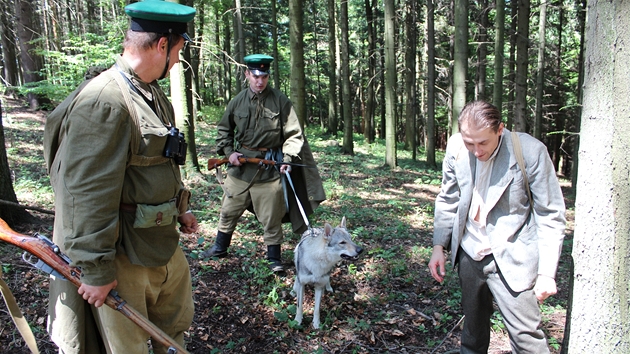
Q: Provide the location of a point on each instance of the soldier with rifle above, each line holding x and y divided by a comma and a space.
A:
113, 153
260, 123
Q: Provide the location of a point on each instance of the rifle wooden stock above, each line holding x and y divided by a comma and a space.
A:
51, 255
212, 163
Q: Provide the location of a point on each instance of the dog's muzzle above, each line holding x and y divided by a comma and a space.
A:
352, 258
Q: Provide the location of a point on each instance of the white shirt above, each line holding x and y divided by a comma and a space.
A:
475, 241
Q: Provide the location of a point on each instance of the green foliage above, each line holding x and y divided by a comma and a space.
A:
64, 69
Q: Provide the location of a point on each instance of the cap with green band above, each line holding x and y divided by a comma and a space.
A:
258, 64
160, 16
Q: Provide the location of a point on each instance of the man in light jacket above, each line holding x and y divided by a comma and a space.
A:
506, 245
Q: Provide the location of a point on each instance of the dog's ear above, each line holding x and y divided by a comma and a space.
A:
328, 230
343, 222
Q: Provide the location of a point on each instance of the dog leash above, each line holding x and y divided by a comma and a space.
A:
299, 204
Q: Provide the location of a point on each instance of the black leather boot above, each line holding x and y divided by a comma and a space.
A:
220, 247
274, 256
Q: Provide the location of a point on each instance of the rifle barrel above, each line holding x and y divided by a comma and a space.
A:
51, 256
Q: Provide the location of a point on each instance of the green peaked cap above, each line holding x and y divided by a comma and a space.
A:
159, 16
258, 64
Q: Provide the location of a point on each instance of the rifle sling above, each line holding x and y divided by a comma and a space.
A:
18, 318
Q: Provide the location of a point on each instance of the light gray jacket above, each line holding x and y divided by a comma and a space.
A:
523, 243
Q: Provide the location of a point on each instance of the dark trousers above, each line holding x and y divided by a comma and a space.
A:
481, 281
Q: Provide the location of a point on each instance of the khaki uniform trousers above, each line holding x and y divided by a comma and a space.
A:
161, 294
267, 199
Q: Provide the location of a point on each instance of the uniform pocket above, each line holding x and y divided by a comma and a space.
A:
155, 215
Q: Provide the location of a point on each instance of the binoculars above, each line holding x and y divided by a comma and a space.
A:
175, 147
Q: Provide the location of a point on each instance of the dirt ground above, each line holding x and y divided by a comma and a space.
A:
385, 315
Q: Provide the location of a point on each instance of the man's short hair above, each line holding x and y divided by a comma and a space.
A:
145, 40
480, 114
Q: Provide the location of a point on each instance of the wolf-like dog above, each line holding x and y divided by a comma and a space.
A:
319, 250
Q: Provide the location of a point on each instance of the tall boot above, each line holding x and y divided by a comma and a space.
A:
220, 247
275, 258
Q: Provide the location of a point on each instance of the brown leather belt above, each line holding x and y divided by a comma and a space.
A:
255, 149
128, 208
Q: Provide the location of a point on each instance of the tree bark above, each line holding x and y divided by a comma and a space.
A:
333, 125
239, 43
499, 48
9, 56
11, 215
482, 51
600, 316
27, 29
520, 77
540, 84
274, 37
348, 141
430, 136
410, 78
460, 61
390, 84
296, 34
370, 104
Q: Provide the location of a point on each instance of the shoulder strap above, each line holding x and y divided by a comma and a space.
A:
18, 318
518, 152
135, 159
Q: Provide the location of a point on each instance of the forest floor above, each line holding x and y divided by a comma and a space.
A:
386, 302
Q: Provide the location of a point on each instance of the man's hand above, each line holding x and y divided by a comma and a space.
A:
285, 169
437, 263
188, 223
95, 295
234, 158
545, 287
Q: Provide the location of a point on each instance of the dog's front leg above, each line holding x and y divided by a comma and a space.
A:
299, 293
318, 300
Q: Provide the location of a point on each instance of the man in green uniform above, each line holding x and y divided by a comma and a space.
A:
259, 122
113, 154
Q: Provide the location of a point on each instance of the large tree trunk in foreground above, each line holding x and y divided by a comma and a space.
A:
601, 300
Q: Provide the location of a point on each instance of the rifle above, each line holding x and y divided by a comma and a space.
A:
214, 163
43, 254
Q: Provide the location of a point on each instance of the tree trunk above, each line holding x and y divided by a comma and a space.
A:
540, 84
576, 144
390, 84
274, 37
27, 29
512, 65
348, 141
520, 77
410, 78
12, 216
600, 316
482, 51
296, 34
499, 47
430, 136
370, 105
333, 125
9, 56
460, 60
239, 43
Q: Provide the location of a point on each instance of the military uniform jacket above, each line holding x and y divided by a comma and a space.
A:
254, 122
91, 177
525, 240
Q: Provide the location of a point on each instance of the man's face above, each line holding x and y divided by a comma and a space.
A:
481, 142
257, 82
174, 53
